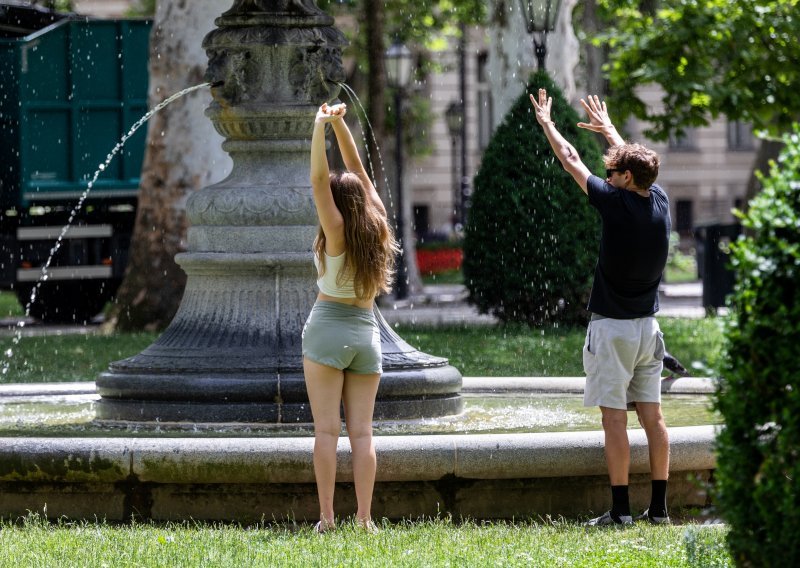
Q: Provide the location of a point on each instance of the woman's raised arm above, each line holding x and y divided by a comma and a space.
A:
329, 215
352, 161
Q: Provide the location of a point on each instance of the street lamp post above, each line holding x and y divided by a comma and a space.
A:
540, 19
453, 117
398, 71
464, 190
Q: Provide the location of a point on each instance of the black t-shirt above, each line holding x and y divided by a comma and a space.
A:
633, 250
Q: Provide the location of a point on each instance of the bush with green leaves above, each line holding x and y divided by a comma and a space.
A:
758, 475
531, 240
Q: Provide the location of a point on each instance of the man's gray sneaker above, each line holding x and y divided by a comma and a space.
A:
606, 519
653, 520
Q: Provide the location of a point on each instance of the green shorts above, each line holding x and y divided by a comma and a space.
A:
344, 337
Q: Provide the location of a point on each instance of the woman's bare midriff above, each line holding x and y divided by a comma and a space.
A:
366, 304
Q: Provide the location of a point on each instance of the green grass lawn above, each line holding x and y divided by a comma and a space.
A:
498, 351
9, 305
419, 543
66, 358
553, 351
445, 277
681, 268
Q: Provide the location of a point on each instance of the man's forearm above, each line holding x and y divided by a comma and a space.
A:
563, 150
612, 136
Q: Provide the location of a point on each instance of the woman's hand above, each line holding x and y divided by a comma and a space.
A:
330, 113
542, 107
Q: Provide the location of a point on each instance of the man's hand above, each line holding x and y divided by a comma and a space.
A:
542, 107
596, 109
599, 121
564, 151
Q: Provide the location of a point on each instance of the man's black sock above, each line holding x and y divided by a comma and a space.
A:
620, 506
658, 501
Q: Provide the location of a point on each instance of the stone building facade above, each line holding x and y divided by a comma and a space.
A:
705, 172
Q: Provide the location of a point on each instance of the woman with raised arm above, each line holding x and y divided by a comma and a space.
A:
354, 254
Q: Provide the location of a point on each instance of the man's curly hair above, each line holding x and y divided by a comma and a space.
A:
641, 161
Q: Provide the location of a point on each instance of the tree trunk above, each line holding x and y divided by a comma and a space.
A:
648, 7
376, 85
183, 154
767, 150
594, 57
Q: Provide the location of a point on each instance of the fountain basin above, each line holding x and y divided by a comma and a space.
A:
253, 478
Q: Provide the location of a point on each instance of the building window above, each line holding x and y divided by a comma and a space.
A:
484, 102
685, 142
684, 219
740, 135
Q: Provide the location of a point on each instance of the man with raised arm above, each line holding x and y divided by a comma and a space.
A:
624, 348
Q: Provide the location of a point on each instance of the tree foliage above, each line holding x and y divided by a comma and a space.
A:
759, 397
420, 22
427, 27
531, 239
738, 58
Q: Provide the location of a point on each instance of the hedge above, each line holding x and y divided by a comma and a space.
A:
758, 472
531, 238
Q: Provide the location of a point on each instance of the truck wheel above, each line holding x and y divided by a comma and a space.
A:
67, 301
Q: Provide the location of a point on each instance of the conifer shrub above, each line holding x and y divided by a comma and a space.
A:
758, 468
532, 238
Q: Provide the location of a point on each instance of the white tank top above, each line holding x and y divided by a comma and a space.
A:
327, 282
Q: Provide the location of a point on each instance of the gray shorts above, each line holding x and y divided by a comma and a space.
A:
344, 337
623, 361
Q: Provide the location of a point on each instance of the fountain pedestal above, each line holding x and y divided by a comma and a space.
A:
233, 351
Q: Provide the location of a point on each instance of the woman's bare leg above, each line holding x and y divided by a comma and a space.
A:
359, 402
324, 386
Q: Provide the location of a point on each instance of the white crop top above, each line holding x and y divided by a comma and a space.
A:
327, 282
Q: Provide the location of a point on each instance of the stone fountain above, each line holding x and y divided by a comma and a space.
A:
233, 351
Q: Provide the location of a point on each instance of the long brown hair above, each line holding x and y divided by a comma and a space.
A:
369, 242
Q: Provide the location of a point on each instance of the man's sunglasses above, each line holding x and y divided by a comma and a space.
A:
609, 172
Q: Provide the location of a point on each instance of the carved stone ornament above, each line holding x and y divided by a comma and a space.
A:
253, 12
275, 65
250, 206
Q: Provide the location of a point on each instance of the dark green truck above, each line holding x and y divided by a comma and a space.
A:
70, 88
